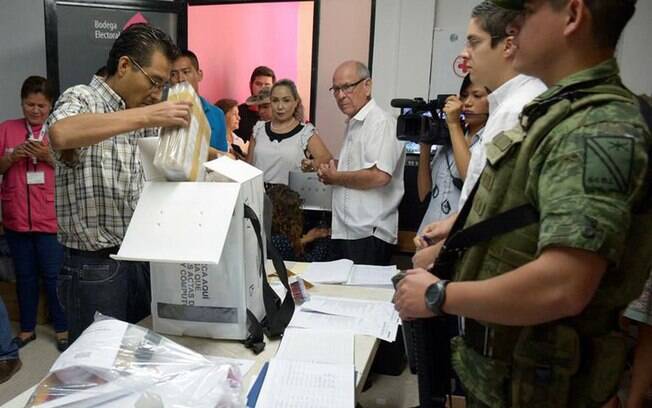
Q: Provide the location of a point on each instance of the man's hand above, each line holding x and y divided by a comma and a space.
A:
425, 258
410, 297
328, 173
168, 114
435, 232
37, 149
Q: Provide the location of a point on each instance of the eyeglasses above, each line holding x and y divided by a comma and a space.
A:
154, 83
473, 42
346, 88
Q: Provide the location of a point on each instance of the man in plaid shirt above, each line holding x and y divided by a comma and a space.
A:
93, 132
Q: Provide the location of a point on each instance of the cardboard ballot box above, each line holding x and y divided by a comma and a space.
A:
204, 254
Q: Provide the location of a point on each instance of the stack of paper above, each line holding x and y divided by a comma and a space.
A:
344, 271
373, 318
312, 369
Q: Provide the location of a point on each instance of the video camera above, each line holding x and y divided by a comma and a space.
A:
421, 121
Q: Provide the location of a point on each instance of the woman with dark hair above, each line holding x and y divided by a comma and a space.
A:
286, 142
443, 177
287, 227
232, 118
28, 212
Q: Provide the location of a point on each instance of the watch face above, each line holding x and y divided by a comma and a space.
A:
433, 298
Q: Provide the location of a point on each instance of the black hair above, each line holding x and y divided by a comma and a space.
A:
262, 71
191, 56
37, 84
138, 42
494, 20
609, 18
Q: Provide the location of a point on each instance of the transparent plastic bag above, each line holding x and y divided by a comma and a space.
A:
116, 364
181, 152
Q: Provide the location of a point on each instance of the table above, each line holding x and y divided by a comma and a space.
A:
364, 349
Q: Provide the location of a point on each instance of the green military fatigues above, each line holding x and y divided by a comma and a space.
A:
580, 159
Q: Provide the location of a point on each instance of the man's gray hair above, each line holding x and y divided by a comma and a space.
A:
362, 70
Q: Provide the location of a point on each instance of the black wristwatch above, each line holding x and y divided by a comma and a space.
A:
436, 296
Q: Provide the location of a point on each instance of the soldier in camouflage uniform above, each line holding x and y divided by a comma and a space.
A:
541, 302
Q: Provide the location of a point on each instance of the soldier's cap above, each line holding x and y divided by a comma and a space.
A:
262, 98
510, 4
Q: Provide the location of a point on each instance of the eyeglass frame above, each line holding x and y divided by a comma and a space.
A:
154, 84
471, 46
335, 89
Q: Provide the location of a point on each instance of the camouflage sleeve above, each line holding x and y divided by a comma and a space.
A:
584, 182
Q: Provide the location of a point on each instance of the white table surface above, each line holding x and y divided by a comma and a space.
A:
364, 349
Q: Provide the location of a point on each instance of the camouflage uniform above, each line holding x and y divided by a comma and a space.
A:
583, 168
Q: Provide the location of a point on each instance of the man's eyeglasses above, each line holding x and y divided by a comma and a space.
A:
473, 42
154, 83
346, 88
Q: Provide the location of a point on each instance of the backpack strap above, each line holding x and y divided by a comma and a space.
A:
277, 314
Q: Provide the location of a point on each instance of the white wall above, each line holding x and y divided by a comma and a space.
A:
405, 33
22, 50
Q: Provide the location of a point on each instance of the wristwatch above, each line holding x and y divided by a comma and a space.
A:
436, 296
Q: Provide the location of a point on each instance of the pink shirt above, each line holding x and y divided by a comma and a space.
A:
26, 207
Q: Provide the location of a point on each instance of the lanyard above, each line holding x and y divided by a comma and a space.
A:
30, 132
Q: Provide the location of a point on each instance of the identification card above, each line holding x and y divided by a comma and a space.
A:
35, 177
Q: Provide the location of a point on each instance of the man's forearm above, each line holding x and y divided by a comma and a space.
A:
558, 284
87, 129
365, 179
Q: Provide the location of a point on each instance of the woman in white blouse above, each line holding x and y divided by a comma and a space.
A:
286, 142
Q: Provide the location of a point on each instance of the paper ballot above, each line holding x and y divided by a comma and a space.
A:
329, 272
344, 271
312, 369
378, 319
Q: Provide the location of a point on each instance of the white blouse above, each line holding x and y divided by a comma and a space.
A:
277, 158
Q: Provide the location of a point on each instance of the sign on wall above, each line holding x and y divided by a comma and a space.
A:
85, 34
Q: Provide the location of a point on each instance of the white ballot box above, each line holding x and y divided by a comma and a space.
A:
204, 254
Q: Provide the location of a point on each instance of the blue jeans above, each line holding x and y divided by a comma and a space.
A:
91, 281
8, 349
36, 253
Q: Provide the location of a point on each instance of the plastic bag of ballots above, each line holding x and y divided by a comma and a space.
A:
182, 151
116, 364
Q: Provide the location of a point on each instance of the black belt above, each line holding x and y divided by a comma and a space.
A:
100, 253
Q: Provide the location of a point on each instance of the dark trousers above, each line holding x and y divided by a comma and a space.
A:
92, 282
364, 251
34, 254
8, 349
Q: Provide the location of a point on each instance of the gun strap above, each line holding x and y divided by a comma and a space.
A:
462, 238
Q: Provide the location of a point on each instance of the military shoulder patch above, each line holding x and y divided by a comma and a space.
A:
608, 163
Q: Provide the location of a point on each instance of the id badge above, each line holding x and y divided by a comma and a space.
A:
35, 177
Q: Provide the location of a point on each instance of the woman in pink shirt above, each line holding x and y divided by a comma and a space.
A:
28, 212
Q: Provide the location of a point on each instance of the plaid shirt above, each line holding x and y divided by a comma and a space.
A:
96, 192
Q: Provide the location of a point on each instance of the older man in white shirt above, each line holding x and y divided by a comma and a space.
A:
368, 178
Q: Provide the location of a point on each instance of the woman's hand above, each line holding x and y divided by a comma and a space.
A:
453, 110
315, 233
38, 150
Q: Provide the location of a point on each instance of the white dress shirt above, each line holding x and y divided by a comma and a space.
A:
370, 141
505, 106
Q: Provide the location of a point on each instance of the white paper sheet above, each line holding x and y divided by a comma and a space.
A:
372, 275
329, 272
384, 330
243, 365
316, 346
97, 346
297, 384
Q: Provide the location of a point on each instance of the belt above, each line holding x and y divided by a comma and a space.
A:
488, 342
100, 253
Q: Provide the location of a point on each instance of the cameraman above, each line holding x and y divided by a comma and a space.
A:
444, 176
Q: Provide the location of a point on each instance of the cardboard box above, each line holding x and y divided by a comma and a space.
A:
203, 253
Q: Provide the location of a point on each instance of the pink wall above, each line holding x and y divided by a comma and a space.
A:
230, 40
